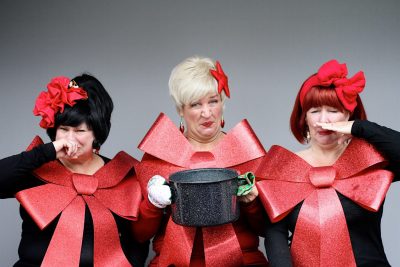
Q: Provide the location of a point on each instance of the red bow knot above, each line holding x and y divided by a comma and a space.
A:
322, 177
333, 73
85, 184
221, 78
58, 94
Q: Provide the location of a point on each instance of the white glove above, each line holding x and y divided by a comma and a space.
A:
159, 193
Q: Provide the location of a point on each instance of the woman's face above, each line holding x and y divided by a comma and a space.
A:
203, 117
81, 135
324, 114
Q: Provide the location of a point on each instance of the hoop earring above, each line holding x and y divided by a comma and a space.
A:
222, 121
181, 126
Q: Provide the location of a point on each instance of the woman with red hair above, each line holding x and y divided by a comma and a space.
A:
330, 195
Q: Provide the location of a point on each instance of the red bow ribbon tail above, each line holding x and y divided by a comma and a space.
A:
221, 246
177, 246
65, 245
107, 245
308, 249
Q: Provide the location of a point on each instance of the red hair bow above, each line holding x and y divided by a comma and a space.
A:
222, 79
333, 73
58, 94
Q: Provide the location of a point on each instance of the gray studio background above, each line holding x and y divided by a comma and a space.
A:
266, 47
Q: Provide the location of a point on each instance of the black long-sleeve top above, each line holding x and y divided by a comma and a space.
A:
364, 226
15, 175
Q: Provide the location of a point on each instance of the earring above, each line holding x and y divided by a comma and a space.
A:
181, 126
96, 146
222, 121
308, 136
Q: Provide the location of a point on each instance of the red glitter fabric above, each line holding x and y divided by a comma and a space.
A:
286, 180
170, 152
109, 190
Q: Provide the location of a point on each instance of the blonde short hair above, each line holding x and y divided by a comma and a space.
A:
191, 80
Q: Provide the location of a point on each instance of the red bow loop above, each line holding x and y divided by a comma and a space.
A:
44, 212
331, 71
348, 90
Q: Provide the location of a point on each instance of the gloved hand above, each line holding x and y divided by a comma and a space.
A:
159, 193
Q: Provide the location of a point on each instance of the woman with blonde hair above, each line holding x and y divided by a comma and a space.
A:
199, 88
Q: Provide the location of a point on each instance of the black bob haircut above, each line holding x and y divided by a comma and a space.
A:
94, 111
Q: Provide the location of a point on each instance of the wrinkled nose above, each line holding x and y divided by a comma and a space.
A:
70, 135
324, 116
206, 112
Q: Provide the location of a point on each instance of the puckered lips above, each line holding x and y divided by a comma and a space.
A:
207, 124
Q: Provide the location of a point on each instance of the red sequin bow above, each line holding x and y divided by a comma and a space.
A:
333, 73
58, 94
67, 193
170, 152
222, 79
321, 236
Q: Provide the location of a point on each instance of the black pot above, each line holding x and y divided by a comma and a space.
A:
204, 197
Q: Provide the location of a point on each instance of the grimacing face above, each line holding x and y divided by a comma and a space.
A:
203, 117
324, 114
81, 135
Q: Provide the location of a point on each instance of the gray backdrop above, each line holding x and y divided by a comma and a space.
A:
266, 47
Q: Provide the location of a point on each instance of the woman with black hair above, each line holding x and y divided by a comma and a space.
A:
78, 207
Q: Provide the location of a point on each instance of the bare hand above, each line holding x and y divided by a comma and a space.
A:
65, 148
250, 196
343, 127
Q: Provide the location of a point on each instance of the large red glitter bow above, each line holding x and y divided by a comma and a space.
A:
357, 174
170, 152
333, 73
58, 94
66, 193
222, 79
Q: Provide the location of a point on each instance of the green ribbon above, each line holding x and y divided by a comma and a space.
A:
246, 182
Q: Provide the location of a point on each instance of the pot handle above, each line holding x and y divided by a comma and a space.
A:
245, 183
173, 192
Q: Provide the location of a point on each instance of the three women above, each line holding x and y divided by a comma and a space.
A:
330, 193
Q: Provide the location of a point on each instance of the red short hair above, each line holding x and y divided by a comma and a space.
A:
319, 96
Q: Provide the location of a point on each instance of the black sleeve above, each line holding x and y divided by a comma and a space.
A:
15, 171
276, 244
384, 139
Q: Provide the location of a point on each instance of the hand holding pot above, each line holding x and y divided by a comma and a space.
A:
246, 192
159, 193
